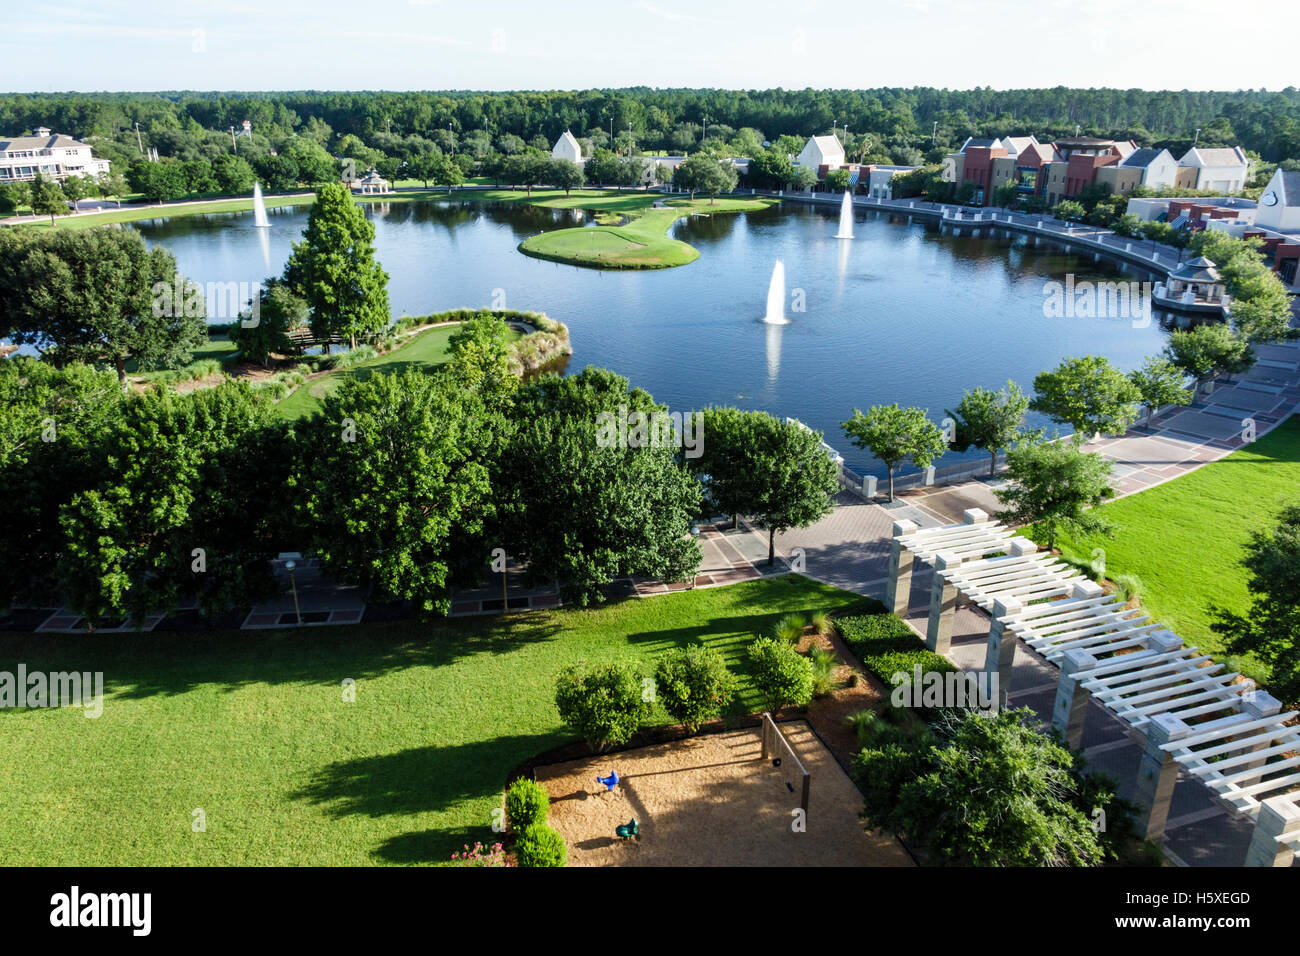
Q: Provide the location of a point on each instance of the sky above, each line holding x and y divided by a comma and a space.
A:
737, 44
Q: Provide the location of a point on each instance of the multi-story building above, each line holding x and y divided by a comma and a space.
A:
53, 155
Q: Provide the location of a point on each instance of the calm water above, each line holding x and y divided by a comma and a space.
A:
903, 313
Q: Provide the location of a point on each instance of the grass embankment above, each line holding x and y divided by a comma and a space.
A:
252, 728
424, 351
1184, 540
632, 233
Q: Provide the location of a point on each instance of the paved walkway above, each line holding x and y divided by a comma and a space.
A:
850, 549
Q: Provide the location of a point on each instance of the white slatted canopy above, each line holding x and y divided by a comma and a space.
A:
1137, 669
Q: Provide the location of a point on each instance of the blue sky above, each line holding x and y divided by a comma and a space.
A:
452, 44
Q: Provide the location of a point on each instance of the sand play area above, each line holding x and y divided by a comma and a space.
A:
712, 801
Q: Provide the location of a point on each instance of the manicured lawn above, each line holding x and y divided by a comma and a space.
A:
425, 351
251, 727
1184, 539
216, 347
632, 238
244, 204
631, 234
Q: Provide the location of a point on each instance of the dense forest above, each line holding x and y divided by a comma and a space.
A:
901, 123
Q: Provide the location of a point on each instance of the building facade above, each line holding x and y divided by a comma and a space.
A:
567, 147
821, 153
1221, 170
53, 155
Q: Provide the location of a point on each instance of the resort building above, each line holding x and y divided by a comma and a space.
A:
53, 155
878, 182
1222, 170
1158, 167
567, 147
1279, 203
821, 153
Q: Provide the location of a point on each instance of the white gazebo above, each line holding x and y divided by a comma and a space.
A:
1196, 286
372, 184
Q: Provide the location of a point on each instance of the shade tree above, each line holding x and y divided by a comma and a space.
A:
894, 435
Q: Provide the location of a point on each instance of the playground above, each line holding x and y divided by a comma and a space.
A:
714, 800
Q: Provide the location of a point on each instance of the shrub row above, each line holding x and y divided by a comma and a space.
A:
536, 843
540, 845
886, 645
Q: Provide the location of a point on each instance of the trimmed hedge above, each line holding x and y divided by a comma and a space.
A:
886, 645
540, 845
527, 803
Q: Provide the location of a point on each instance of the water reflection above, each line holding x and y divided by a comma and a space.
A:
939, 314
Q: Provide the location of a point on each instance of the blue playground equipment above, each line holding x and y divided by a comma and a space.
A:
628, 831
610, 782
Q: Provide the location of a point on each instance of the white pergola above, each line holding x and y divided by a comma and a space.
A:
1189, 712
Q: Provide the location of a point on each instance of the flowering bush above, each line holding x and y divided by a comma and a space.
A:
480, 855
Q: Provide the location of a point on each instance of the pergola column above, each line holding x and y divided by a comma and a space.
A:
943, 604
1001, 650
1257, 704
1071, 705
898, 591
1277, 825
1157, 774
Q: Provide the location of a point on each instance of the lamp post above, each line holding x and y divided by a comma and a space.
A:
293, 583
695, 535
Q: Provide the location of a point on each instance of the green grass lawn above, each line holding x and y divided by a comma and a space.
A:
244, 204
251, 727
424, 350
640, 242
1184, 539
631, 233
217, 347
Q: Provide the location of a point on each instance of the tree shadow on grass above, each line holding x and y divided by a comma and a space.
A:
423, 780
143, 665
434, 846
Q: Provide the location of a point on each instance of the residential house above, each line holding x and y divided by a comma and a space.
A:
54, 155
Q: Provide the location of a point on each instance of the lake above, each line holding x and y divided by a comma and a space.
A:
904, 312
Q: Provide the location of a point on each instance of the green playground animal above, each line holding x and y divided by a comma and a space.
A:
629, 830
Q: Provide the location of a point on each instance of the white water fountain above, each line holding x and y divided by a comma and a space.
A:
776, 296
261, 223
846, 217
259, 208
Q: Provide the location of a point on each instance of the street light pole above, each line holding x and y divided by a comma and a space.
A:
293, 582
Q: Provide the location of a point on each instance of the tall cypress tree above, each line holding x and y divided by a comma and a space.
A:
334, 269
